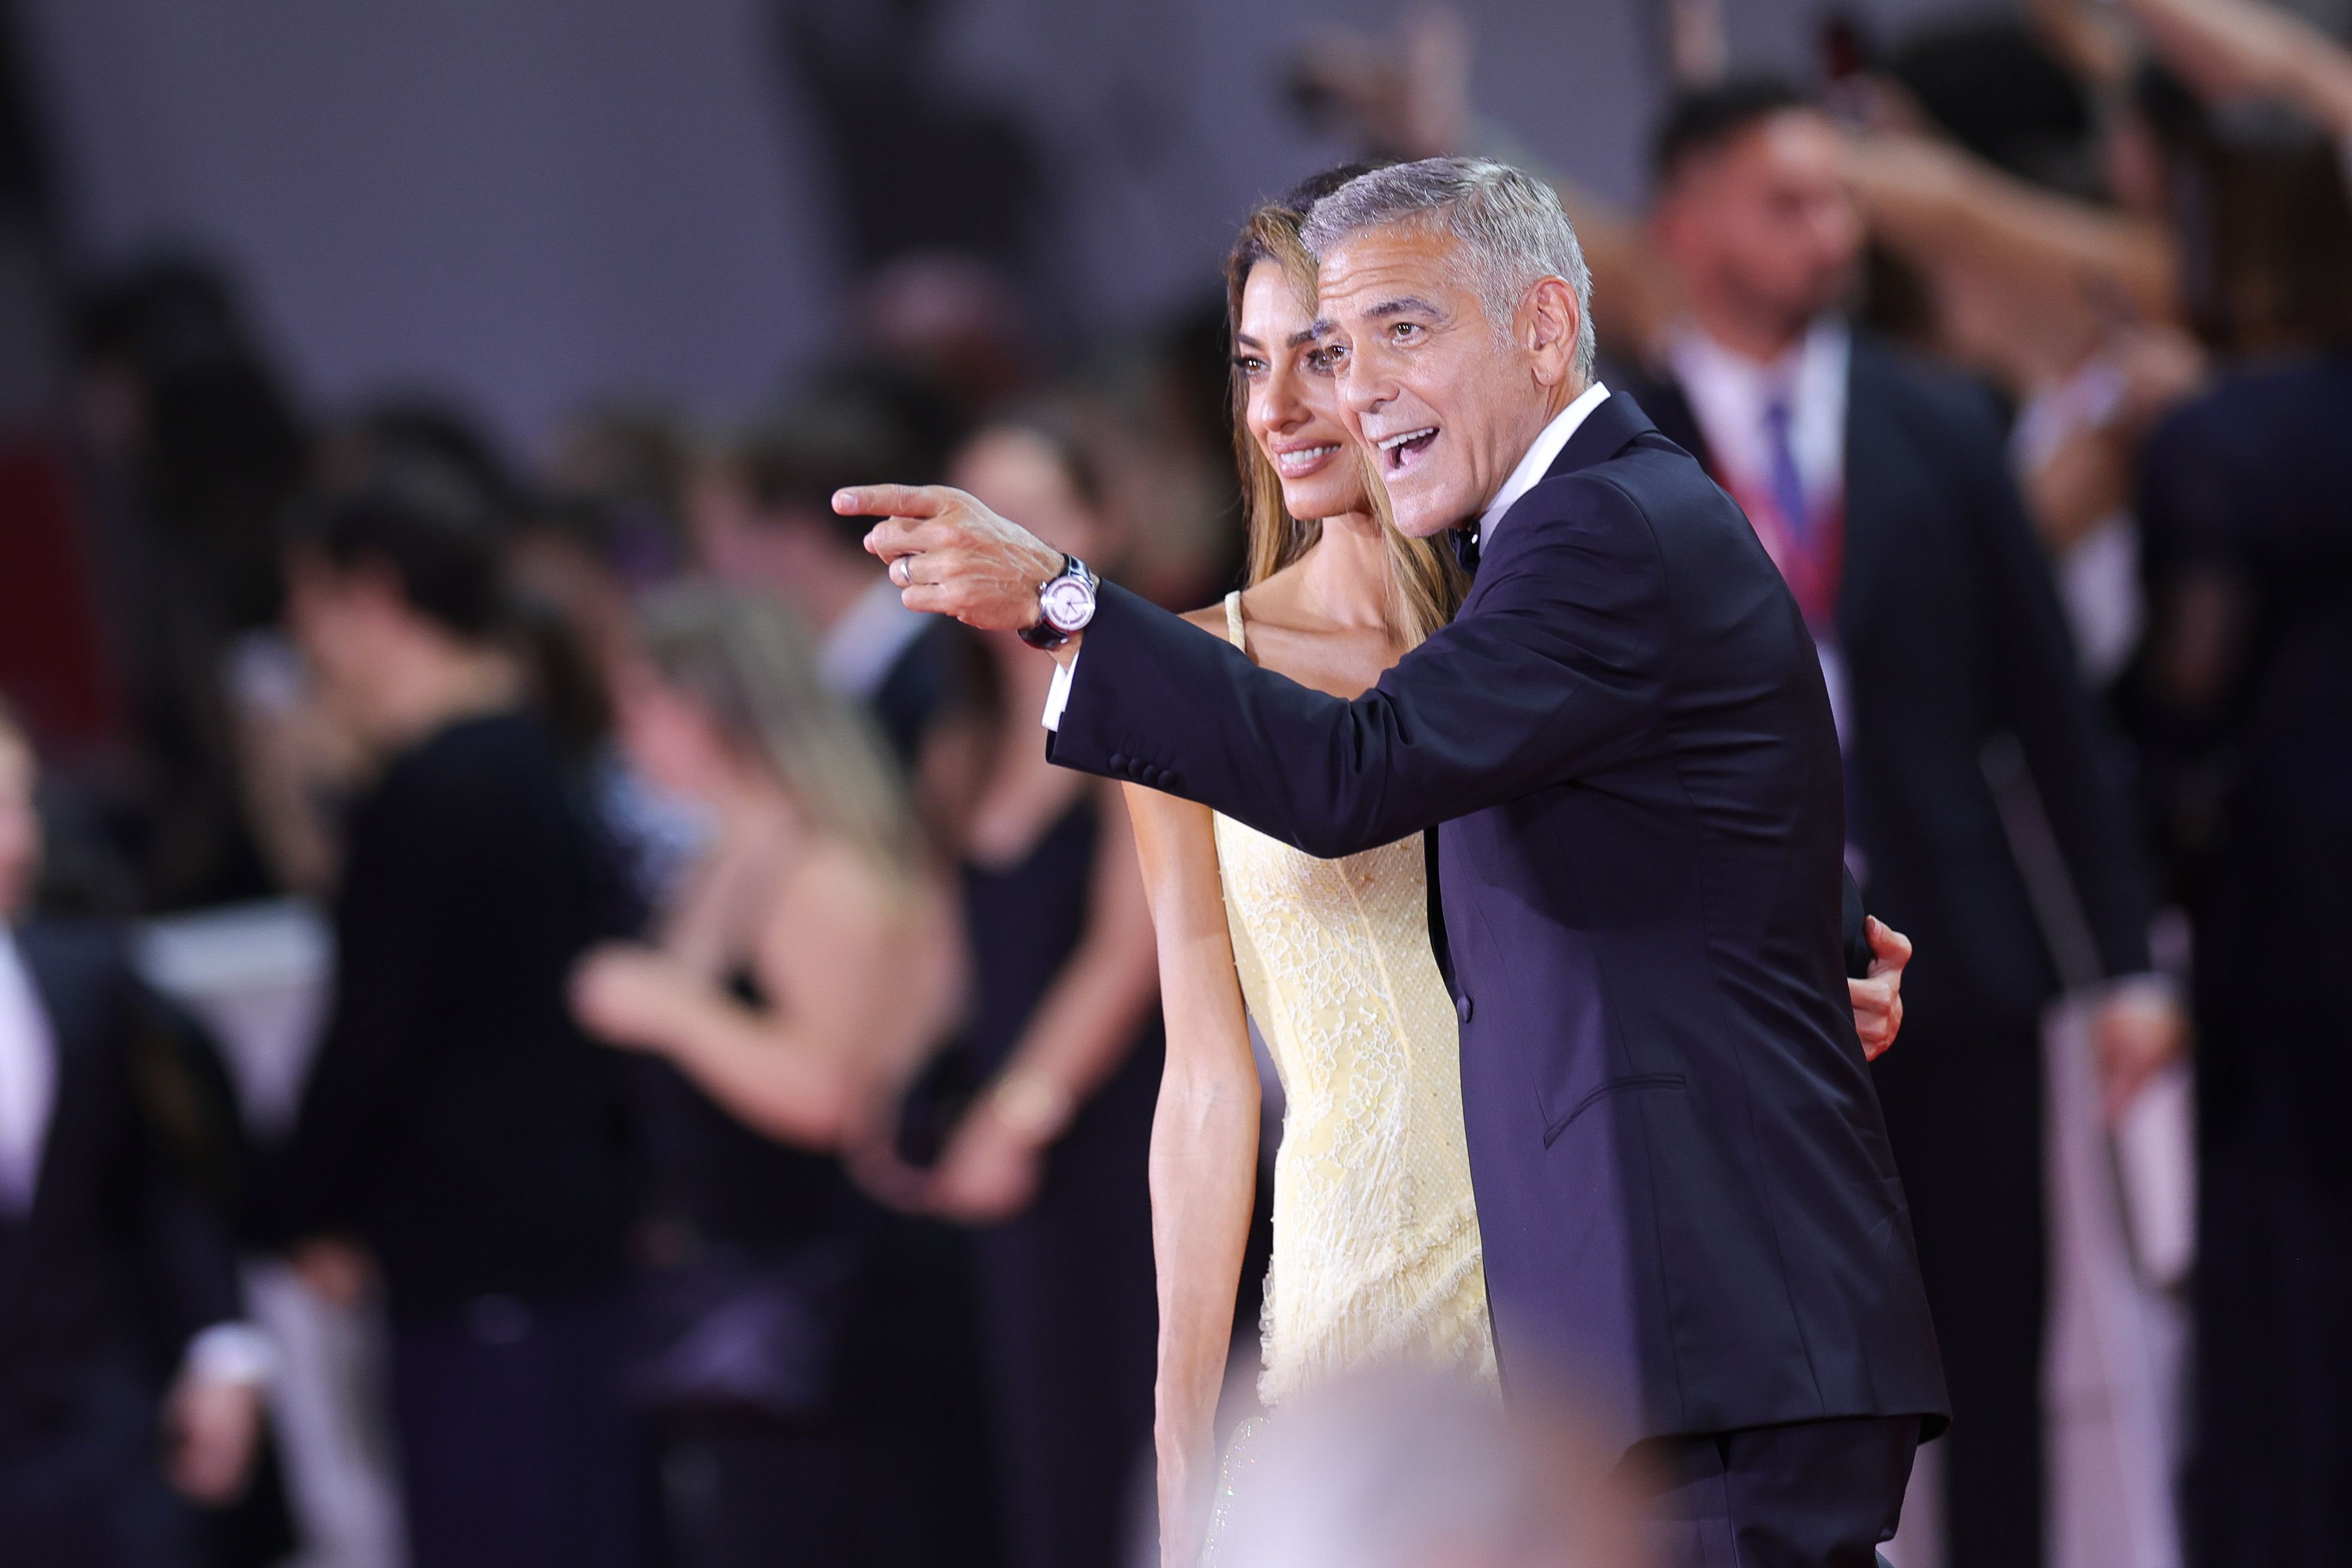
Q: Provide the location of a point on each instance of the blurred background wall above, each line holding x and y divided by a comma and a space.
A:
547, 199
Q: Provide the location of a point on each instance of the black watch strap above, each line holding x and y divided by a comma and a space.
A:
1044, 634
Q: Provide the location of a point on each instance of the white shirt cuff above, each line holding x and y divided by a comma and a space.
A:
231, 1352
1059, 698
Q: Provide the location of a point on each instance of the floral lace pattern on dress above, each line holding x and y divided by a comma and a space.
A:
1376, 1250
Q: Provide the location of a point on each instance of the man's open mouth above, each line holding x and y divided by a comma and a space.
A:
1403, 450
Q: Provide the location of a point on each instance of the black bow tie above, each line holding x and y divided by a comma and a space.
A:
1465, 549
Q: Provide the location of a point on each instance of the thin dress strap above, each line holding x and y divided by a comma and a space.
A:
1239, 638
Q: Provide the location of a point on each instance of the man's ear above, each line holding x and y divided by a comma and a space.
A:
1549, 319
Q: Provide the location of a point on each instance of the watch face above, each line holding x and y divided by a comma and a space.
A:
1068, 603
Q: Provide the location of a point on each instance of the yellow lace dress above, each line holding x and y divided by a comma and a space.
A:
1376, 1255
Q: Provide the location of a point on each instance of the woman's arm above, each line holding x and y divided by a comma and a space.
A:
1939, 206
2237, 48
1083, 1029
1205, 1147
861, 974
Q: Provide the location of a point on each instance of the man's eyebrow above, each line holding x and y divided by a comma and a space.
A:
1408, 305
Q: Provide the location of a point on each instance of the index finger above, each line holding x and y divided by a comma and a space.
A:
890, 501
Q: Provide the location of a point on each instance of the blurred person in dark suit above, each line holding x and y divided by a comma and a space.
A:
761, 515
1880, 488
457, 1126
118, 1283
810, 1362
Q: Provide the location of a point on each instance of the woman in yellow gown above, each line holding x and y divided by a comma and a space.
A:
1376, 1253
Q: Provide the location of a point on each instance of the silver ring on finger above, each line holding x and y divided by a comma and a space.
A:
902, 572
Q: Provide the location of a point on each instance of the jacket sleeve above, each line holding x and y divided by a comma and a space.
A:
1555, 668
179, 1114
361, 1080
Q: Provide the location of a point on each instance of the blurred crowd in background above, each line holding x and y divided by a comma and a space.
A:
723, 1138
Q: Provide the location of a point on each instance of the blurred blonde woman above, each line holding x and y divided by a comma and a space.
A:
1376, 1247
806, 1359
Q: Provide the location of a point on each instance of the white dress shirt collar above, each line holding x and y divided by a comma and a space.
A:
29, 1080
1538, 459
1728, 393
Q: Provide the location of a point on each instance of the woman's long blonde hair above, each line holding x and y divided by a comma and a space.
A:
745, 660
1425, 584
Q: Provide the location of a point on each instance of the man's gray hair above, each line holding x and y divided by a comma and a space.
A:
1509, 221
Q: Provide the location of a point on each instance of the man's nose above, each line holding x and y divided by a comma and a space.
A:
1363, 387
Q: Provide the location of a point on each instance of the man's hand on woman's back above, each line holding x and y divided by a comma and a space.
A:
1878, 997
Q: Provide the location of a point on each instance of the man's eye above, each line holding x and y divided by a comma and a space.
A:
1404, 331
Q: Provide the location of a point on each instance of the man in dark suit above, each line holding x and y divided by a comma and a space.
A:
1881, 489
114, 1268
1687, 1198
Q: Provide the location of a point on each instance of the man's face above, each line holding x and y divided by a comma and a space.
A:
1761, 227
1447, 404
20, 828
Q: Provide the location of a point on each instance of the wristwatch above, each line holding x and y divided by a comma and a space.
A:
1065, 604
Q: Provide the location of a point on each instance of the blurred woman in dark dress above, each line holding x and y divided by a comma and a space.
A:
2247, 501
1050, 1162
811, 1361
457, 1126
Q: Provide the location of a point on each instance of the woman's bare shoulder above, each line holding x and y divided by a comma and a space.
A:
1209, 619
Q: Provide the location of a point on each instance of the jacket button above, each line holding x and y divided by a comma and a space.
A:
1117, 760
1462, 1008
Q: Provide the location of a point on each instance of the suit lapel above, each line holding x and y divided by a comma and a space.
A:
1670, 410
1608, 429
74, 1008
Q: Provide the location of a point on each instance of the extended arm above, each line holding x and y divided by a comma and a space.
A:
861, 967
1204, 1144
1938, 206
1555, 673
2239, 48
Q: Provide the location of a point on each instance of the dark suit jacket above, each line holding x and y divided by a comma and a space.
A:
1683, 1183
1952, 634
121, 1260
456, 1117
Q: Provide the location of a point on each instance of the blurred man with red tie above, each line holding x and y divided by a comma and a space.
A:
1879, 486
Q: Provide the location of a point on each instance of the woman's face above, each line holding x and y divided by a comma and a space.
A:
668, 736
1017, 473
1292, 403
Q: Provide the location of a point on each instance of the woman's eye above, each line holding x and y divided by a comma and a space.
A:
1249, 366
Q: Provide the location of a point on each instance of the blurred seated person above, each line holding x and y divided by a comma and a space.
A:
761, 513
1051, 1160
456, 1127
94, 1204
807, 967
